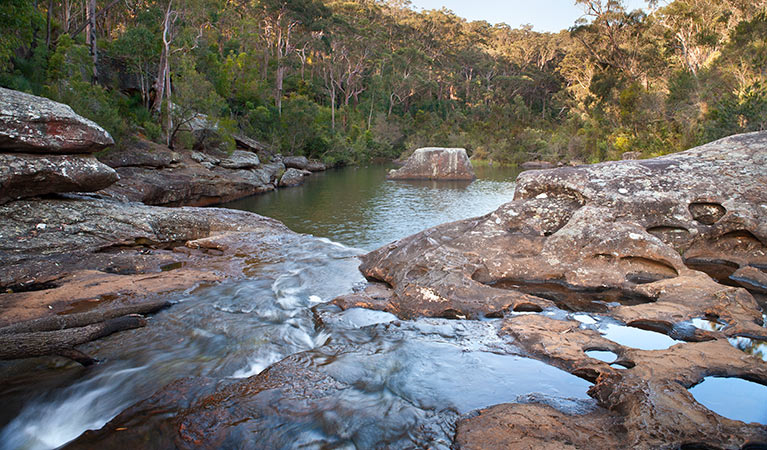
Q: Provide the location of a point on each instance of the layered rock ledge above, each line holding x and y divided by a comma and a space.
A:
154, 175
77, 268
33, 124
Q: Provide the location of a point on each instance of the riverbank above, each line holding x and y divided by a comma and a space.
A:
79, 265
154, 175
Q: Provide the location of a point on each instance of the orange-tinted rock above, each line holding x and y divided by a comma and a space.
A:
33, 124
63, 256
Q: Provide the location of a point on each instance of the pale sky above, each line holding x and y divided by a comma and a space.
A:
543, 15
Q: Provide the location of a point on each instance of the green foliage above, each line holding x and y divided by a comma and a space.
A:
18, 20
349, 81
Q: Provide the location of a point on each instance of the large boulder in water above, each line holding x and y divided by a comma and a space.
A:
293, 177
435, 164
24, 175
32, 124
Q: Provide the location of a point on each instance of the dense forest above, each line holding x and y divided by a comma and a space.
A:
350, 80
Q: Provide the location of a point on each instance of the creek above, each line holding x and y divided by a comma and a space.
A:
236, 329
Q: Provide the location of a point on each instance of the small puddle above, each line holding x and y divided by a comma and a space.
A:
636, 337
733, 398
754, 347
604, 356
702, 323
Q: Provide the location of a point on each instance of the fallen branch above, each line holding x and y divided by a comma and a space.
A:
62, 342
61, 322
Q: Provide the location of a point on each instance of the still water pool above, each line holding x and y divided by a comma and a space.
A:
359, 208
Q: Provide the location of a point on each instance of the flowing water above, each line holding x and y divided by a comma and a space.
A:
236, 329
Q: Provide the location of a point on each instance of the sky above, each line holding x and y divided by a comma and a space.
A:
543, 15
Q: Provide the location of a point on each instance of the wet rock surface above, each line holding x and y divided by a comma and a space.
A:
32, 124
378, 383
27, 175
654, 244
81, 253
435, 164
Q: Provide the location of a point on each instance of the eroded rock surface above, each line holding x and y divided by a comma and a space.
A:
240, 159
435, 164
629, 232
141, 153
654, 244
34, 124
81, 251
195, 180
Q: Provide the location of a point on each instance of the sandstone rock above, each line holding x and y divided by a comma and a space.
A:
296, 162
535, 426
249, 144
240, 159
26, 175
316, 166
188, 184
59, 252
620, 226
34, 124
141, 153
203, 158
652, 244
275, 171
536, 165
293, 177
435, 164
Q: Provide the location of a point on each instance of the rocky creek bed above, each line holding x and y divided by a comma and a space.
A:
593, 311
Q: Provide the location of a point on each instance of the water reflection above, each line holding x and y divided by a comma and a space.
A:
754, 347
359, 208
733, 398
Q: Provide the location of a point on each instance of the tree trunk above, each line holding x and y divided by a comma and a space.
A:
370, 114
66, 13
333, 108
48, 25
170, 105
278, 87
90, 29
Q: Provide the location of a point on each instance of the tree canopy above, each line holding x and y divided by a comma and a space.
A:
350, 80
